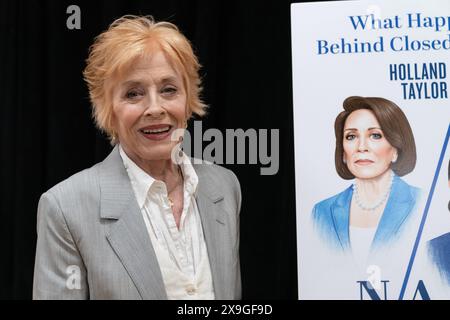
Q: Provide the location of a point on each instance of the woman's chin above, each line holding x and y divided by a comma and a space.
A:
156, 153
368, 175
365, 174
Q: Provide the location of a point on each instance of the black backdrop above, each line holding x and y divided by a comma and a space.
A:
47, 133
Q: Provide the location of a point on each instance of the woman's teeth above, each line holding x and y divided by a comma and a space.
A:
156, 130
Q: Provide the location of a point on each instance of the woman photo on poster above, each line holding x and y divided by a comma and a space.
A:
439, 249
374, 146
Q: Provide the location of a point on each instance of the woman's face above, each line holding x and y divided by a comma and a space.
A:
149, 103
366, 151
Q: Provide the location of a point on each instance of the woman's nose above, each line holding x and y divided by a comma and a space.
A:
362, 145
154, 107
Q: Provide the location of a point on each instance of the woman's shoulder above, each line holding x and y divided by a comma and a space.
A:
442, 241
79, 186
407, 188
73, 206
214, 172
216, 180
339, 199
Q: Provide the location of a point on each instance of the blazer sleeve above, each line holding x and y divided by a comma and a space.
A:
59, 271
231, 188
238, 196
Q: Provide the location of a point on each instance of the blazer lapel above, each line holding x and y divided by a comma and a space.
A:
399, 206
216, 236
341, 217
127, 233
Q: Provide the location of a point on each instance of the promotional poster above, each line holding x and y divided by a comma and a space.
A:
371, 124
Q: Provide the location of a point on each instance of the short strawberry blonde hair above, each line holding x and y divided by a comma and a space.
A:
126, 39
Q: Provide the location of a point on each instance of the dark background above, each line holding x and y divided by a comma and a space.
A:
47, 133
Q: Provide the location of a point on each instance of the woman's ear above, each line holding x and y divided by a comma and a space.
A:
395, 156
112, 128
188, 113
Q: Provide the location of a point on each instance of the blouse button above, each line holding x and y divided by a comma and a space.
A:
190, 290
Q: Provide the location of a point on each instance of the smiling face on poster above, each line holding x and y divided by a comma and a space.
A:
371, 112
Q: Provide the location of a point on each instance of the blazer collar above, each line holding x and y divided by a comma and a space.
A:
129, 238
400, 204
341, 217
209, 201
398, 208
127, 234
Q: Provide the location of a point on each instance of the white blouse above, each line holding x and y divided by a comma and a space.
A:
360, 241
181, 253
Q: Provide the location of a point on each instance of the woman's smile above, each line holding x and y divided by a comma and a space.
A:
157, 132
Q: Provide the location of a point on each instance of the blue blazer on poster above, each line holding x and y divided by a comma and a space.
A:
439, 250
332, 216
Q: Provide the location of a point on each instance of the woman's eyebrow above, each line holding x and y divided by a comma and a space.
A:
168, 79
131, 83
354, 129
134, 82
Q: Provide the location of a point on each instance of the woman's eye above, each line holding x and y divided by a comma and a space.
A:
376, 136
133, 94
169, 90
350, 137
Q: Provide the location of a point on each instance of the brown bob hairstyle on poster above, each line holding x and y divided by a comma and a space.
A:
395, 127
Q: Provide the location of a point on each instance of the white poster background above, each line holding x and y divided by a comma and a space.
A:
320, 85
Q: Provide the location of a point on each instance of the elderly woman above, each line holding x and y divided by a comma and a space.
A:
375, 146
145, 223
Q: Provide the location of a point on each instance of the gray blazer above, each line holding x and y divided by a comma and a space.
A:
93, 244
